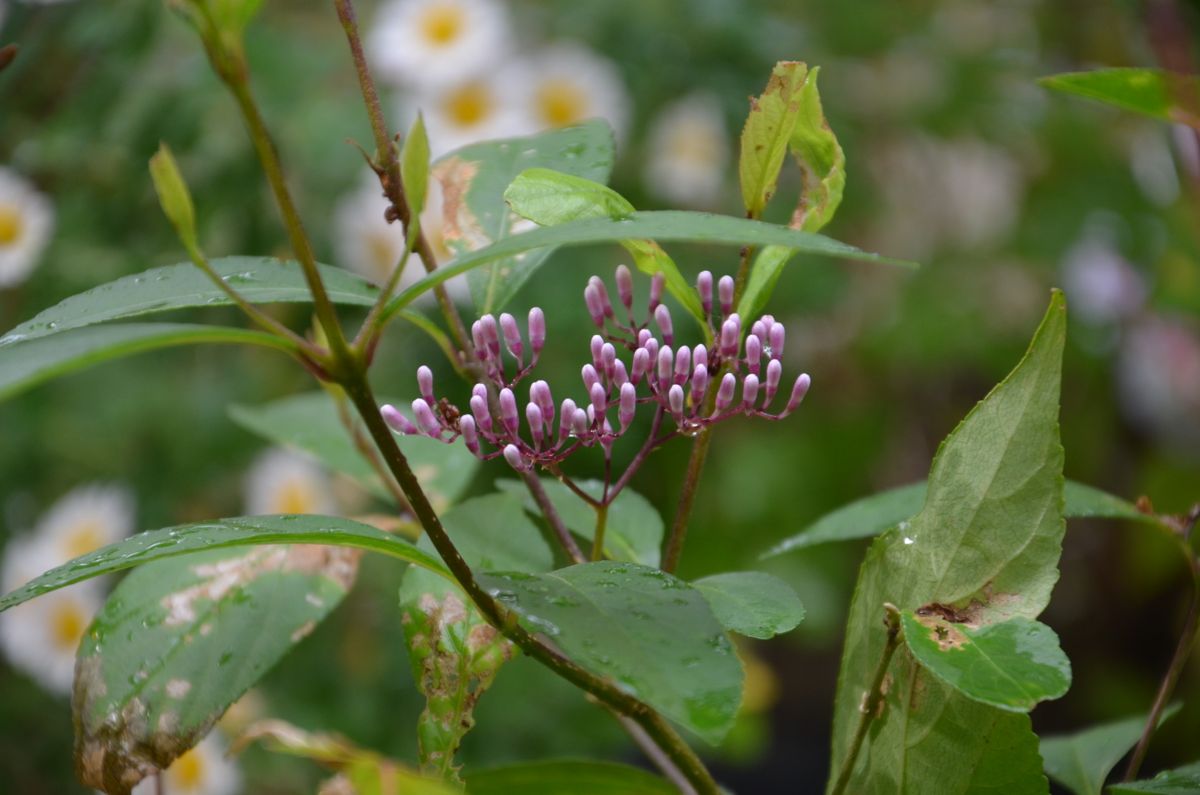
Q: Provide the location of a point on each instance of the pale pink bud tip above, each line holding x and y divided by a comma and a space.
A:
775, 338
665, 365
539, 393
657, 283
466, 426
426, 420
628, 405
397, 421
625, 286
725, 392
699, 384
729, 338
480, 390
700, 356
753, 353
683, 364
508, 411
799, 390
425, 384
675, 399
662, 316
643, 337
590, 377
537, 330
704, 286
774, 374
725, 293
512, 335
591, 297
479, 409
533, 415
599, 399
602, 292
564, 424
479, 339
513, 456
579, 423
749, 390
641, 363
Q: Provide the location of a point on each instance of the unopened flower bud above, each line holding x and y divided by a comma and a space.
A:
725, 294
537, 331
608, 358
620, 376
579, 423
625, 287
508, 412
651, 348
700, 356
597, 345
514, 458
728, 341
539, 393
591, 297
599, 399
533, 416
683, 364
699, 384
799, 390
641, 363
512, 337
704, 286
425, 384
753, 353
665, 366
480, 340
628, 405
602, 292
643, 336
491, 335
590, 377
774, 374
662, 316
397, 421
480, 390
675, 399
759, 329
426, 421
657, 283
483, 417
725, 393
749, 390
565, 420
466, 426
776, 336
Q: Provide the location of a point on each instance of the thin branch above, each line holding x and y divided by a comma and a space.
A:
534, 484
673, 549
655, 754
652, 443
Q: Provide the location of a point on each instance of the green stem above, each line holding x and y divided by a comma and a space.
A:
871, 704
598, 538
538, 492
673, 549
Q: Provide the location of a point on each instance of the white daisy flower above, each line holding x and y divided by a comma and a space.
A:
437, 42
479, 109
26, 221
204, 770
281, 481
568, 83
86, 519
41, 636
689, 151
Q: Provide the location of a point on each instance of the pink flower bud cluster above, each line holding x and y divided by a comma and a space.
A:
694, 386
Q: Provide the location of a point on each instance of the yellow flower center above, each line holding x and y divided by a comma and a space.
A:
187, 772
83, 538
294, 498
67, 624
10, 224
560, 102
695, 146
442, 24
468, 105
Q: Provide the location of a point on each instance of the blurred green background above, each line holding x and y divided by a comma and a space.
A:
955, 157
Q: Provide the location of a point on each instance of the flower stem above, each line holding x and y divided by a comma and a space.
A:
598, 538
673, 549
534, 484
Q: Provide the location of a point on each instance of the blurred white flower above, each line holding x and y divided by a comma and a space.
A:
86, 519
565, 84
1100, 284
281, 481
204, 770
368, 244
479, 109
1153, 166
435, 42
1158, 379
975, 27
26, 221
689, 151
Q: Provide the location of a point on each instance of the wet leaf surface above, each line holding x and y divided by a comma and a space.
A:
752, 603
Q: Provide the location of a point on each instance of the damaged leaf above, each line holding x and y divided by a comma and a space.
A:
985, 546
180, 640
767, 132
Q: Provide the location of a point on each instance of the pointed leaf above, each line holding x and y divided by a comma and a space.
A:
180, 640
1180, 781
752, 603
1150, 92
558, 777
414, 169
767, 132
1082, 761
652, 633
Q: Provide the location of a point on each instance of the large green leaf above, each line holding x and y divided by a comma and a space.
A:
649, 631
475, 215
243, 531
986, 544
633, 530
24, 365
261, 280
752, 603
870, 516
558, 777
1180, 781
180, 640
1150, 92
658, 225
1082, 761
311, 423
1013, 665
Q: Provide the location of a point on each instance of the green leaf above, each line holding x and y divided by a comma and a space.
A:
476, 218
767, 132
986, 544
870, 516
557, 777
1180, 781
261, 280
414, 169
679, 225
1150, 92
180, 640
311, 423
1082, 761
752, 603
633, 531
650, 632
24, 365
243, 531
1013, 665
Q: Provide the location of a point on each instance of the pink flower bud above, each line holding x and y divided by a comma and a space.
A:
491, 335
537, 331
699, 385
602, 292
776, 336
725, 294
749, 390
533, 416
651, 348
728, 342
481, 390
597, 345
753, 353
508, 412
641, 363
539, 393
591, 297
625, 287
628, 405
774, 374
590, 377
466, 426
643, 336
480, 340
759, 329
725, 393
683, 364
567, 416
675, 400
608, 358
579, 423
662, 316
397, 421
425, 384
483, 418
513, 456
620, 376
665, 362
657, 283
512, 337
700, 356
799, 390
599, 399
425, 418
704, 286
